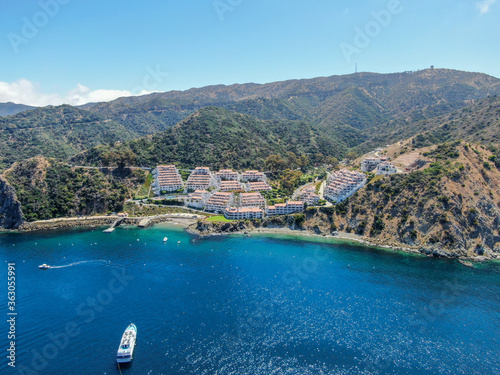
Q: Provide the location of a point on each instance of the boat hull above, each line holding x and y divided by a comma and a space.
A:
123, 360
127, 344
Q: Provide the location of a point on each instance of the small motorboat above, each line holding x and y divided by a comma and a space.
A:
165, 239
44, 266
466, 263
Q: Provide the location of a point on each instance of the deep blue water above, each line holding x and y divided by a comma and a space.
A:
240, 305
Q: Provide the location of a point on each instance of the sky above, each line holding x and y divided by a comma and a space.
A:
80, 51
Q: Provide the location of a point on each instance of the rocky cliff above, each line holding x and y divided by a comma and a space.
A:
11, 215
49, 189
450, 208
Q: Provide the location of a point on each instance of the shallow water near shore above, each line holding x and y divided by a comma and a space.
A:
244, 305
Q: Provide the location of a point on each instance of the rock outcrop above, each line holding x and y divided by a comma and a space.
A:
11, 216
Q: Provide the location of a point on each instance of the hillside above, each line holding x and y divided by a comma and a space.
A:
359, 101
219, 138
363, 110
452, 207
49, 189
58, 132
478, 122
11, 215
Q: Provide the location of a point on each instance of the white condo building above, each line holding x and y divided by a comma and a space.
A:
252, 200
241, 213
343, 184
167, 178
219, 201
285, 208
309, 196
369, 164
198, 199
227, 175
230, 185
386, 168
253, 176
258, 186
200, 179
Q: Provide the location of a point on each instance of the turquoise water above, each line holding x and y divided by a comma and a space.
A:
243, 305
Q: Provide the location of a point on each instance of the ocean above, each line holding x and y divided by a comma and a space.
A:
263, 304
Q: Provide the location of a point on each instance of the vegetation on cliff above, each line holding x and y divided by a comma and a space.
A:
451, 206
477, 122
49, 189
11, 215
361, 100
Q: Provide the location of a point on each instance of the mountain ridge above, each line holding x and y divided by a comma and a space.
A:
362, 99
10, 108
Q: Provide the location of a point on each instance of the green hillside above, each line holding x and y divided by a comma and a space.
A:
479, 122
363, 110
219, 138
58, 132
49, 189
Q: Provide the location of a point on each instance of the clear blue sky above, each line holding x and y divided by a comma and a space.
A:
114, 44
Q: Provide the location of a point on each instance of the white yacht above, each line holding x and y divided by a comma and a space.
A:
44, 266
126, 349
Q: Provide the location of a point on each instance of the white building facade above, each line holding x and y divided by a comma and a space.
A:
342, 184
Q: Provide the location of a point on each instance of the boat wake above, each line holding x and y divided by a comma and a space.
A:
81, 262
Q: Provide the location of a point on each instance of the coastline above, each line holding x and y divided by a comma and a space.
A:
179, 219
340, 238
188, 223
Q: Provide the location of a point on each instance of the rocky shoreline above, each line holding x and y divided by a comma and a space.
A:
203, 228
65, 223
206, 229
100, 221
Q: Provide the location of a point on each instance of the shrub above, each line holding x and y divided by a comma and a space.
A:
299, 219
378, 225
443, 218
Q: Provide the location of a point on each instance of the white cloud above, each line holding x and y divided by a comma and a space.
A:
484, 6
24, 91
